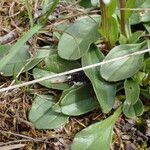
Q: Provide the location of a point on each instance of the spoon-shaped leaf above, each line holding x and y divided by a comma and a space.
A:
132, 91
143, 15
97, 136
55, 83
56, 64
42, 116
78, 101
105, 92
77, 39
123, 68
132, 111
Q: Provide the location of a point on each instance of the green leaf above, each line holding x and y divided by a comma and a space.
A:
105, 92
16, 63
56, 107
17, 47
60, 28
147, 26
134, 38
78, 101
132, 91
55, 83
122, 39
111, 7
78, 37
109, 25
42, 116
113, 30
141, 16
46, 5
22, 60
132, 111
122, 69
139, 3
97, 136
56, 64
146, 92
39, 56
85, 3
51, 9
147, 65
129, 5
139, 77
89, 3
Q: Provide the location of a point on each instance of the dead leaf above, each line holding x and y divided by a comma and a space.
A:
14, 146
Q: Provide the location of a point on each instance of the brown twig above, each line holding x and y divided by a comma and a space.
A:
8, 37
12, 146
26, 138
119, 138
11, 14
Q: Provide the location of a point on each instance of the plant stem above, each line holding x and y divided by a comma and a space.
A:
122, 17
104, 24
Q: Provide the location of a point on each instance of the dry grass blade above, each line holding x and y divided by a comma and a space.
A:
14, 146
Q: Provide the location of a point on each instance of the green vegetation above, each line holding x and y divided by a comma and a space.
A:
88, 40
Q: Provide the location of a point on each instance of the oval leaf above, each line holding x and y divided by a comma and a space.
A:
56, 64
132, 91
143, 15
122, 69
61, 28
55, 83
78, 101
78, 37
16, 63
97, 136
56, 107
17, 46
42, 116
132, 111
105, 92
22, 61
